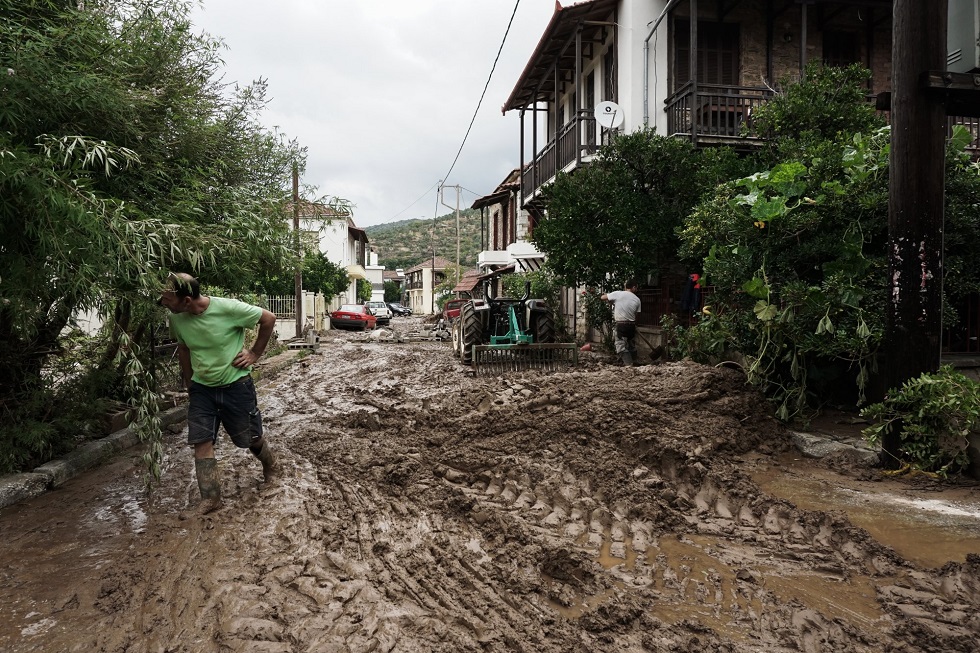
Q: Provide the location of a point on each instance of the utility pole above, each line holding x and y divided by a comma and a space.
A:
432, 272
299, 253
459, 190
913, 325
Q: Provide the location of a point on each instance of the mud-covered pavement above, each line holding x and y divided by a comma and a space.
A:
423, 509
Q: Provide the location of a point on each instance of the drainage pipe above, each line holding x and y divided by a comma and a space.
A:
646, 61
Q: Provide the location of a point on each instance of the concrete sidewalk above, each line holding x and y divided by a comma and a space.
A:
18, 487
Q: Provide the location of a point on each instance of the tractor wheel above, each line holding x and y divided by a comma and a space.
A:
457, 337
544, 328
471, 332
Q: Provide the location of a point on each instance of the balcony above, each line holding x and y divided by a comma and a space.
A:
576, 139
722, 115
715, 114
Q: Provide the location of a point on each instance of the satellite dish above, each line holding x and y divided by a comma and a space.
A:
609, 115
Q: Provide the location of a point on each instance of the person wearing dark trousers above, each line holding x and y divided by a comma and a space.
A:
625, 307
215, 367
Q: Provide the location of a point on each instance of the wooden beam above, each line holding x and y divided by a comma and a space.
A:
913, 315
959, 92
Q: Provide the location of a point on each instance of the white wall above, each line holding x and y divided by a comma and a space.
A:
639, 16
635, 19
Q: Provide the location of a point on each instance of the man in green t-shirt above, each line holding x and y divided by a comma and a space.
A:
215, 366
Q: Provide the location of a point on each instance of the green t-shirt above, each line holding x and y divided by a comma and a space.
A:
215, 337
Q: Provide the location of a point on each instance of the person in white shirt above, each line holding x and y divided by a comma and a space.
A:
625, 307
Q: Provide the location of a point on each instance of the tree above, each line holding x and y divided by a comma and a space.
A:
796, 253
615, 218
393, 292
363, 290
320, 274
122, 156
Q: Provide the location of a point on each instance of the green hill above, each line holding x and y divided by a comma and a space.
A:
406, 243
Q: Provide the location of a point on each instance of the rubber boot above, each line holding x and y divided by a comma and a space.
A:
209, 481
264, 453
627, 359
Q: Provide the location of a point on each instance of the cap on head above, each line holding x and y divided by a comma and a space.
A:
182, 285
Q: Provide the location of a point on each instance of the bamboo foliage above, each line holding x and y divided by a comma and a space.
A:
123, 156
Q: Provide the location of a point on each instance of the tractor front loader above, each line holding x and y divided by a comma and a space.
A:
502, 334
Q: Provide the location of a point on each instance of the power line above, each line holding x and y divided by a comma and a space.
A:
472, 120
482, 95
418, 200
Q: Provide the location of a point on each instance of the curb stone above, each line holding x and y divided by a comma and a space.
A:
52, 474
817, 446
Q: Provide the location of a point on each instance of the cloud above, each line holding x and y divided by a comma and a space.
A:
381, 92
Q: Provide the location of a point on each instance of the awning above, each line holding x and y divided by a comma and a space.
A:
466, 284
529, 264
556, 49
355, 271
497, 272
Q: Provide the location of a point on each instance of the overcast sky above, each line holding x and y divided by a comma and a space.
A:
382, 92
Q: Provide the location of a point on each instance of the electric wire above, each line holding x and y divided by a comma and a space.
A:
473, 119
429, 190
485, 87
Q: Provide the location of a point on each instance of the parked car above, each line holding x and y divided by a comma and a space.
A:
450, 310
353, 316
398, 309
381, 311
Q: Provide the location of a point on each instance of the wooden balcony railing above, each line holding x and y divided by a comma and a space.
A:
717, 113
972, 125
575, 138
723, 115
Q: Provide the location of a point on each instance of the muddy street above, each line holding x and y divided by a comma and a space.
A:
657, 508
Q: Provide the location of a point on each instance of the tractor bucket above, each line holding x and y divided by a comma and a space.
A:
500, 359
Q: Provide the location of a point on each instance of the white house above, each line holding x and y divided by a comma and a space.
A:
421, 281
690, 69
375, 274
339, 239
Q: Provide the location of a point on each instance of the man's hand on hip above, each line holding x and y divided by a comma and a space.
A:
245, 358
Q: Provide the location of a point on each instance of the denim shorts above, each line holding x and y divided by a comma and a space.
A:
234, 405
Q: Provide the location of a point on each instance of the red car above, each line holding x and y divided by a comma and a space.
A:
353, 316
450, 310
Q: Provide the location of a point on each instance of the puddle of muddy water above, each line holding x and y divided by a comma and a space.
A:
695, 582
927, 532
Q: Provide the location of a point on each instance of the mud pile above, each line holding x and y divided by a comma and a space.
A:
423, 509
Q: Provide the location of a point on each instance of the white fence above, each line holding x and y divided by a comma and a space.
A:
316, 312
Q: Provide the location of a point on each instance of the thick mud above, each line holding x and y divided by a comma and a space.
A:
424, 509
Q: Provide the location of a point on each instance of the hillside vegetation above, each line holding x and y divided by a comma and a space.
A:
406, 243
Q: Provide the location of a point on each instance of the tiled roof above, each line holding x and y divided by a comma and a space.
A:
440, 264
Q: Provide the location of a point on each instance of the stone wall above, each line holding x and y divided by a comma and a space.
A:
787, 29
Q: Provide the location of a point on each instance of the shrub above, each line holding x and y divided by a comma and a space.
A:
933, 415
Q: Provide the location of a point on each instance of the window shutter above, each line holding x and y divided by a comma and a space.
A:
718, 53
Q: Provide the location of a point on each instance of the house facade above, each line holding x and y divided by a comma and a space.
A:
506, 229
695, 78
692, 69
340, 240
375, 275
421, 281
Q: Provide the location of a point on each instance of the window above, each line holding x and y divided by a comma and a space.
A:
839, 48
590, 90
609, 75
717, 55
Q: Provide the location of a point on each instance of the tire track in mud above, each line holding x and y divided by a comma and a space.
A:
706, 577
821, 558
423, 509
